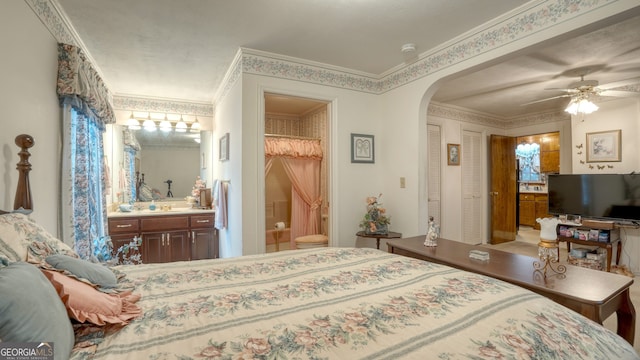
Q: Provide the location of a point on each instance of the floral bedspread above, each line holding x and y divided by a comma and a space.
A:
344, 303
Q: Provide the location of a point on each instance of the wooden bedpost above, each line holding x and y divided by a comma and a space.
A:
23, 191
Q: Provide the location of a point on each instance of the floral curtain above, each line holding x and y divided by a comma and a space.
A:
86, 110
301, 160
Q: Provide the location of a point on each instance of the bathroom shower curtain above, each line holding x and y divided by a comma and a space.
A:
301, 160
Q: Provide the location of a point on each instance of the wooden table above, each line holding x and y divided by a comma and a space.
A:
389, 235
594, 294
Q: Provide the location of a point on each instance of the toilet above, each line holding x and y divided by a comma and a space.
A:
312, 241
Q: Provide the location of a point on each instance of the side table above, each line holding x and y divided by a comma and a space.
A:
389, 235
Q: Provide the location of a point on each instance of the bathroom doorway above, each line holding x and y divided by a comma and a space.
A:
294, 119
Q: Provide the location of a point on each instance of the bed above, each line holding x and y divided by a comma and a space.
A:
322, 303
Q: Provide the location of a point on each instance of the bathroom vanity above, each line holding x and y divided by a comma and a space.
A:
174, 235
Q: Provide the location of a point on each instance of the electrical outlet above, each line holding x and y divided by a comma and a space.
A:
402, 182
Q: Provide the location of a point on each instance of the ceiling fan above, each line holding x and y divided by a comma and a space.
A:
584, 91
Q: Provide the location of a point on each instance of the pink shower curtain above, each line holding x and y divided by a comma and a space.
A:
301, 160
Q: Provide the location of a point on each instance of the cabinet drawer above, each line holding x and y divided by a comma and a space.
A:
202, 221
159, 223
527, 197
120, 226
541, 197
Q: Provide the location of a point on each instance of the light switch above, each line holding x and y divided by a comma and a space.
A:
402, 182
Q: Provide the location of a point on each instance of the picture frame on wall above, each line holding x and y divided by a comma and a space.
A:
224, 147
453, 154
362, 149
604, 146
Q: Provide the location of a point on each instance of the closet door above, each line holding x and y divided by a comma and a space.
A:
433, 172
471, 163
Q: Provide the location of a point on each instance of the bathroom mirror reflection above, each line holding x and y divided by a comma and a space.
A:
161, 166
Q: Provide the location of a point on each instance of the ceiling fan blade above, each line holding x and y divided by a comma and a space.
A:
563, 89
618, 84
618, 93
547, 99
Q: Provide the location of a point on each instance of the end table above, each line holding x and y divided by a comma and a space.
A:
389, 235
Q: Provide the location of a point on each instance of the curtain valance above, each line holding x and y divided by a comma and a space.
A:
80, 85
293, 148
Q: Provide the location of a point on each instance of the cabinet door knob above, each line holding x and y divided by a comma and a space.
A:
124, 226
193, 237
202, 221
168, 239
162, 239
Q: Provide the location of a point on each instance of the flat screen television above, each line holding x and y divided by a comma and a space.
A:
600, 196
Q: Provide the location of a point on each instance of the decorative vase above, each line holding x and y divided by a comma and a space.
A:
380, 229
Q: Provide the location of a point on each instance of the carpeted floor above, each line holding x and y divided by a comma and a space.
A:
526, 243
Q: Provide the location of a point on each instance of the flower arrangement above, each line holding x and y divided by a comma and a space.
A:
200, 184
375, 220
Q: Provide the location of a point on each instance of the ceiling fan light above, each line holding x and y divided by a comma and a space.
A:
581, 106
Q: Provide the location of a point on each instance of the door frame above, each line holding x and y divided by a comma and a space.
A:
332, 148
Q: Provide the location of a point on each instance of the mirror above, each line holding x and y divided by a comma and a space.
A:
168, 163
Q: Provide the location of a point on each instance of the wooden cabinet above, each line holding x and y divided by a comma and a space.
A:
527, 210
541, 208
550, 153
167, 238
532, 206
203, 236
122, 231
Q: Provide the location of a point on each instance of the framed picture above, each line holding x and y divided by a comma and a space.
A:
604, 146
362, 150
453, 154
224, 147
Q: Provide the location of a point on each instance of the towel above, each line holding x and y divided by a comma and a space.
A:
220, 201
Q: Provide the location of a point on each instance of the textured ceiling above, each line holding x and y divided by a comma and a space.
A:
182, 49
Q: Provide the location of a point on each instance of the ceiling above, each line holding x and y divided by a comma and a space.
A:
182, 49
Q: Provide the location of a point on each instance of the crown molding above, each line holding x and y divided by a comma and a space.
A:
139, 103
506, 29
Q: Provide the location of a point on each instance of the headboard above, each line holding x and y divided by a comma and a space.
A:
22, 200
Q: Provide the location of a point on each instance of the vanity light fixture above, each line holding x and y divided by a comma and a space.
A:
149, 125
165, 125
195, 126
181, 126
133, 123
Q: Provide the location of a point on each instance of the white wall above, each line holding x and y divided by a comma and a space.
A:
228, 119
30, 106
620, 114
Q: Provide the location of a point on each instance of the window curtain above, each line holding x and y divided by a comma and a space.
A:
301, 160
86, 111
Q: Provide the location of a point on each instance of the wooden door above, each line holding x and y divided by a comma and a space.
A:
503, 188
203, 244
153, 248
177, 243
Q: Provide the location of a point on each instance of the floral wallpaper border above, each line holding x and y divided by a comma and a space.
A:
512, 27
134, 103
